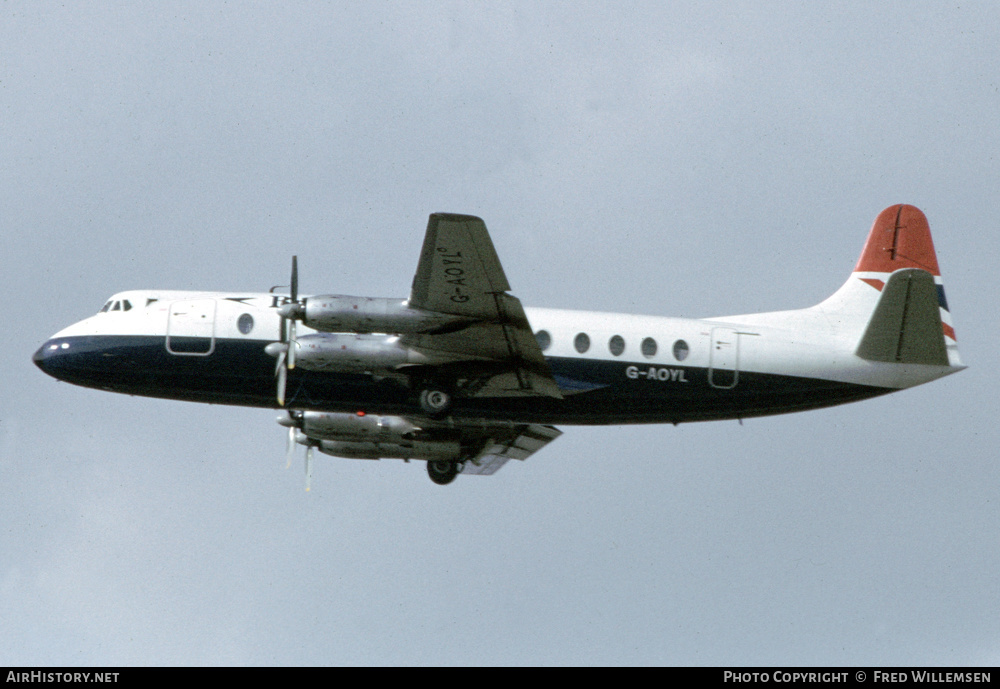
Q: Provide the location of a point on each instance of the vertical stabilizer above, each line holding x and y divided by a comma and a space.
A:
910, 322
892, 308
900, 238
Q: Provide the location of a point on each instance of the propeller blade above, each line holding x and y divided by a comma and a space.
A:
309, 466
291, 345
290, 446
295, 278
282, 373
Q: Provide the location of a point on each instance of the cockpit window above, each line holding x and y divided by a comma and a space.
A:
117, 305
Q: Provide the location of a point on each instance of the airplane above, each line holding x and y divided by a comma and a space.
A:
460, 375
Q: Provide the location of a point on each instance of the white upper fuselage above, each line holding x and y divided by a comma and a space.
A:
811, 343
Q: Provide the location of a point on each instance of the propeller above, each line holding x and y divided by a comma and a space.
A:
289, 312
293, 421
284, 349
292, 311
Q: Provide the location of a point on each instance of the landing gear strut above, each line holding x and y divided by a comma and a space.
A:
443, 471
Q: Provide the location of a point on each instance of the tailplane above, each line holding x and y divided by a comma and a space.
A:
906, 326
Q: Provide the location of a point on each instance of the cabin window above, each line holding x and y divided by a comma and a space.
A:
117, 306
126, 305
544, 339
105, 307
617, 345
680, 350
581, 342
648, 348
245, 323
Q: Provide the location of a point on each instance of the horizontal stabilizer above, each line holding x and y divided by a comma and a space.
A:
906, 327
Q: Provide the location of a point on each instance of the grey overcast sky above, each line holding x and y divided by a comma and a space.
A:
670, 158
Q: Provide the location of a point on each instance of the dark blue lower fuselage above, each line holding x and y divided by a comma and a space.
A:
239, 372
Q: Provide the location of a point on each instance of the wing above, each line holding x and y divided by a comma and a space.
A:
459, 271
460, 274
519, 442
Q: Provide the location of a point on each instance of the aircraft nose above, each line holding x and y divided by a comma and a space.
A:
55, 358
43, 357
78, 360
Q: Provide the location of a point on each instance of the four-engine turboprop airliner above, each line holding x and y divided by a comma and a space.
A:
463, 377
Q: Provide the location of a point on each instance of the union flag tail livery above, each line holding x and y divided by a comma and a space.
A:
460, 375
900, 240
896, 290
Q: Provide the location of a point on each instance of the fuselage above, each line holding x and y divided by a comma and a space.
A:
611, 368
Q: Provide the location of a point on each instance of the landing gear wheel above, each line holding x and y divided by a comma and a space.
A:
435, 402
443, 471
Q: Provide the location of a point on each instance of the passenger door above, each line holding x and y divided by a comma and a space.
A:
191, 327
723, 368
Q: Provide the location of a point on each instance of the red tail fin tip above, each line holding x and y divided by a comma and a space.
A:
900, 238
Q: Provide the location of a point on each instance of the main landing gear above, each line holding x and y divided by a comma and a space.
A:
443, 471
435, 402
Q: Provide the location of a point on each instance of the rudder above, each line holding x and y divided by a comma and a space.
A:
899, 238
911, 322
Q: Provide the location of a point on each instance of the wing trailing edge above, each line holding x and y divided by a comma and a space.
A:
520, 444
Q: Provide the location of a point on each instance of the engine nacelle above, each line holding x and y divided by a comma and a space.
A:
359, 427
356, 353
448, 450
335, 313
